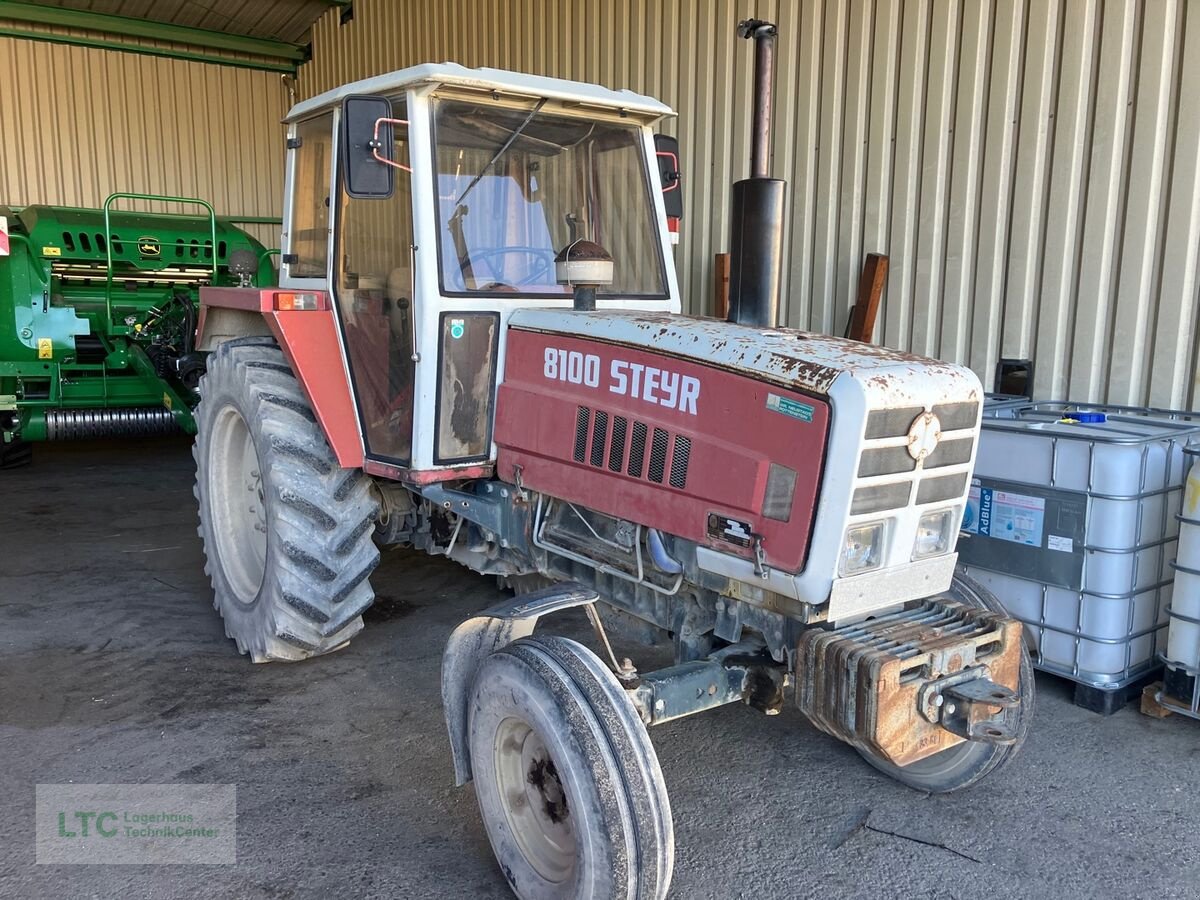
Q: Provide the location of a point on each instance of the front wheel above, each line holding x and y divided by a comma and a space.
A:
965, 764
568, 784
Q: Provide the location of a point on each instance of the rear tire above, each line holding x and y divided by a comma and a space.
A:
967, 763
569, 786
16, 454
286, 530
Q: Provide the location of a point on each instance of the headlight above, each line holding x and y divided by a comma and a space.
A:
934, 533
863, 549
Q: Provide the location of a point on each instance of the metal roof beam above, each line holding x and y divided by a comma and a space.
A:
155, 31
281, 66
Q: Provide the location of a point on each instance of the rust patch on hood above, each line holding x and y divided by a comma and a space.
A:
791, 358
804, 371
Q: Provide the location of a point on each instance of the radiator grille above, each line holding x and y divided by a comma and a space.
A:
582, 418
679, 461
616, 453
601, 440
934, 489
874, 498
891, 479
637, 450
658, 456
884, 423
950, 453
885, 461
956, 416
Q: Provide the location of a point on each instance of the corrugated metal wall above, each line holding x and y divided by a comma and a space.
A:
77, 124
1032, 167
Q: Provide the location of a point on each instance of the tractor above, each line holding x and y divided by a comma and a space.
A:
98, 315
476, 350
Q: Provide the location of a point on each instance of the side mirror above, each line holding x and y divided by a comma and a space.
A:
666, 149
366, 130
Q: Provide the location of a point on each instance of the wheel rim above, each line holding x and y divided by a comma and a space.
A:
534, 800
239, 505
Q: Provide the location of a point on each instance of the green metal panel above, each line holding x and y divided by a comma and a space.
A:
98, 306
156, 31
144, 50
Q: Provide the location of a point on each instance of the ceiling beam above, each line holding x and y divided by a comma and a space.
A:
125, 26
96, 43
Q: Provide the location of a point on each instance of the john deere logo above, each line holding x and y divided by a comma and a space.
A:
149, 248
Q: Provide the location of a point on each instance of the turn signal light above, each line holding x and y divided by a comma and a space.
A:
292, 300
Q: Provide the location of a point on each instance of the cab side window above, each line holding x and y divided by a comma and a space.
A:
375, 299
308, 237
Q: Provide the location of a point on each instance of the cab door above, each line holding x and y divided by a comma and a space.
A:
373, 288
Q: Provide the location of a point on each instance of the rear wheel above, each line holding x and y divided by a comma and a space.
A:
967, 763
286, 531
569, 786
15, 454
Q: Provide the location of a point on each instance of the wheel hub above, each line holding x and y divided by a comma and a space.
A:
535, 801
238, 501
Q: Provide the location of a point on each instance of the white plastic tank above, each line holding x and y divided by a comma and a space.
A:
1183, 633
1079, 507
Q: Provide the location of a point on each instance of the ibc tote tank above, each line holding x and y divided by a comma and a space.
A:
1072, 523
1183, 633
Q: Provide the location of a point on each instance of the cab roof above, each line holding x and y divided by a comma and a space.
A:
499, 79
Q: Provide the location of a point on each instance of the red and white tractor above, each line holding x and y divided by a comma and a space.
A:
476, 349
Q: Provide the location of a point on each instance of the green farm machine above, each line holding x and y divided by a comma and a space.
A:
98, 317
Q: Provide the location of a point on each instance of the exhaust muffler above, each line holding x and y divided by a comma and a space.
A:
756, 242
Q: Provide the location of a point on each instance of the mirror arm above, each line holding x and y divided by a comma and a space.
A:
674, 175
376, 144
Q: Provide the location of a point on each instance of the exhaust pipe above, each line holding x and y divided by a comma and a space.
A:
756, 242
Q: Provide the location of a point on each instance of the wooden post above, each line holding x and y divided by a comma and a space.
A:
870, 288
721, 285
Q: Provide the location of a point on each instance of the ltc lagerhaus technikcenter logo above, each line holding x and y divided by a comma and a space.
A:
136, 823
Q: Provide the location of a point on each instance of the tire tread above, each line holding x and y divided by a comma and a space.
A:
321, 552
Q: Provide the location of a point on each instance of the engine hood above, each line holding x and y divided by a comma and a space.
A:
812, 363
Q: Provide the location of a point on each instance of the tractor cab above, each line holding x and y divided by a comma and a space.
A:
429, 204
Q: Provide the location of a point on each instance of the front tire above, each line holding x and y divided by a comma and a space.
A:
286, 531
967, 763
569, 786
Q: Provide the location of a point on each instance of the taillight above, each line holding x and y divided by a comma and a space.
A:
294, 300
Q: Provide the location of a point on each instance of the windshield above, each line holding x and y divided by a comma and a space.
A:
516, 186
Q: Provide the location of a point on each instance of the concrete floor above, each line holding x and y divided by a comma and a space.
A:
114, 668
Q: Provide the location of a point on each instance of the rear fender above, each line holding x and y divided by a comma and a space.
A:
482, 635
309, 340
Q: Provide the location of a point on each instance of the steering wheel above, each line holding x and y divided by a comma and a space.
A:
543, 261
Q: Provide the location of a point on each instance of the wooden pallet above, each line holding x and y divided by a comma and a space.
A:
1159, 706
